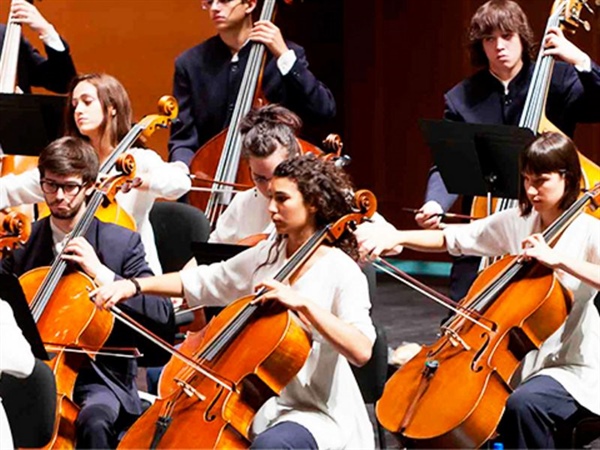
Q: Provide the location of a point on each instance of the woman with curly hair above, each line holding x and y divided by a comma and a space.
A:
322, 406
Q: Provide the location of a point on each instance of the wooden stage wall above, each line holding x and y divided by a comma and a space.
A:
388, 63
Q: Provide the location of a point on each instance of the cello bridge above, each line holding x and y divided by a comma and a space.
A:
189, 390
455, 338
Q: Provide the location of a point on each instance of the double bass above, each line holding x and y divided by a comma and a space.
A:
566, 14
218, 163
469, 368
9, 59
249, 353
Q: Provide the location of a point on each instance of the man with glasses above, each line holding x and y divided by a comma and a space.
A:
208, 77
105, 389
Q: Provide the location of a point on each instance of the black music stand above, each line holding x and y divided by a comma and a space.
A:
208, 253
12, 293
475, 159
29, 122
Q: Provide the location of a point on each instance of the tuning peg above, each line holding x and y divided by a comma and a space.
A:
588, 7
584, 23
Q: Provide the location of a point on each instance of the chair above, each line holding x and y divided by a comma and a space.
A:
372, 376
585, 431
30, 405
176, 225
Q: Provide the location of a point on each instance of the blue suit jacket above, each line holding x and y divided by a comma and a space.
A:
206, 85
573, 98
121, 250
53, 73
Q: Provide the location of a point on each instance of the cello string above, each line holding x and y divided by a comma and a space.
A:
125, 319
229, 162
377, 263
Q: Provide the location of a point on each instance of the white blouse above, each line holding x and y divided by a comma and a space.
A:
167, 180
571, 355
324, 396
245, 216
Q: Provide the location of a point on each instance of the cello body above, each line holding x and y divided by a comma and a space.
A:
70, 318
206, 160
472, 380
258, 363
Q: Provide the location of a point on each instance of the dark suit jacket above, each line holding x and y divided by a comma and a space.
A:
573, 98
121, 250
206, 85
53, 73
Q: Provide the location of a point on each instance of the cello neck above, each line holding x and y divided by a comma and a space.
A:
10, 57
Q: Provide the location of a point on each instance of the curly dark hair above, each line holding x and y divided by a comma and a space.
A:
263, 128
506, 16
326, 188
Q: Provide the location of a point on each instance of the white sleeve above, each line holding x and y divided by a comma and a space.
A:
221, 283
16, 358
21, 189
352, 304
492, 236
167, 180
228, 224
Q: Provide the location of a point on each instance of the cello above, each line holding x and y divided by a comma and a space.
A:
566, 14
482, 347
76, 322
218, 163
252, 349
65, 317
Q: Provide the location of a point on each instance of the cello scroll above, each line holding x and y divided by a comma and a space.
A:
16, 228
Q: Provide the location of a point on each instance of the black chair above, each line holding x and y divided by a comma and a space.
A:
372, 376
30, 405
176, 225
586, 431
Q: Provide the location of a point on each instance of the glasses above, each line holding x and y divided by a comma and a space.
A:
206, 4
51, 187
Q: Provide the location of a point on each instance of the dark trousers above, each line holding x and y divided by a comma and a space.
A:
462, 274
285, 435
540, 413
101, 417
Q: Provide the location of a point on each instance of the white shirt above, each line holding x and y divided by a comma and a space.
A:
16, 359
245, 216
324, 396
167, 180
571, 355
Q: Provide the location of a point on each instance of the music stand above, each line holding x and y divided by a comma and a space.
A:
477, 159
12, 293
29, 122
208, 253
